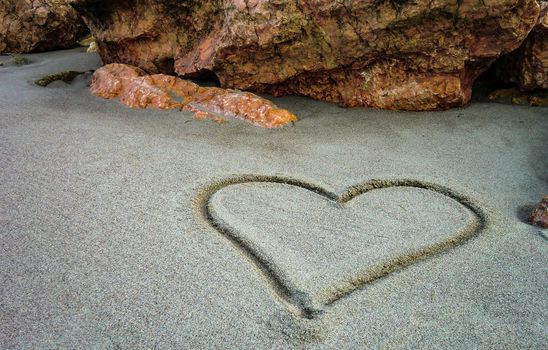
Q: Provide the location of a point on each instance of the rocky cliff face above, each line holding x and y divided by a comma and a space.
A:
528, 65
393, 54
38, 25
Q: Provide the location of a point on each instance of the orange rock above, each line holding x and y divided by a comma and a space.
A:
136, 89
411, 55
539, 216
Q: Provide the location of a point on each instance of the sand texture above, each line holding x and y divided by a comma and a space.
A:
356, 228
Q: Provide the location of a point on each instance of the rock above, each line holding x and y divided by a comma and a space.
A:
66, 77
536, 101
19, 60
513, 95
528, 65
89, 42
539, 215
136, 89
393, 54
38, 25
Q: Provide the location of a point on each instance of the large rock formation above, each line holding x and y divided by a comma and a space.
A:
396, 54
528, 65
136, 89
38, 25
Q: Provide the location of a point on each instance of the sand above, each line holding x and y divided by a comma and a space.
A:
132, 229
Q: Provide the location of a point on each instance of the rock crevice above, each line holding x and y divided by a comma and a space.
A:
528, 65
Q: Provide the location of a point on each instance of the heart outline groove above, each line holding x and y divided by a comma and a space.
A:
300, 303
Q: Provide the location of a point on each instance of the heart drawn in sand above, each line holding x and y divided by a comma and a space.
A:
316, 247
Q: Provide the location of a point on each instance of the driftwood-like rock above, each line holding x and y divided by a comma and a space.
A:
393, 54
136, 89
38, 25
528, 65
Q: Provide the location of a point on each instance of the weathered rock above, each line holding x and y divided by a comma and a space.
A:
395, 54
512, 95
66, 77
138, 90
528, 65
539, 215
38, 25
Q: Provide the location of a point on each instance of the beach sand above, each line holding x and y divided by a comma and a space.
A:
130, 229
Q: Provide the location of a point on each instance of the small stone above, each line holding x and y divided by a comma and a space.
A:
89, 42
66, 77
19, 60
539, 215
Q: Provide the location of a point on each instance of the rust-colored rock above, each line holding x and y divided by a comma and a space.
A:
138, 90
528, 65
38, 25
539, 215
413, 55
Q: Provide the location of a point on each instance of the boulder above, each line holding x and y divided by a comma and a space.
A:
528, 65
391, 54
38, 25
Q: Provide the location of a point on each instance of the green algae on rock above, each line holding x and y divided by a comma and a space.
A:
66, 76
19, 60
89, 43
